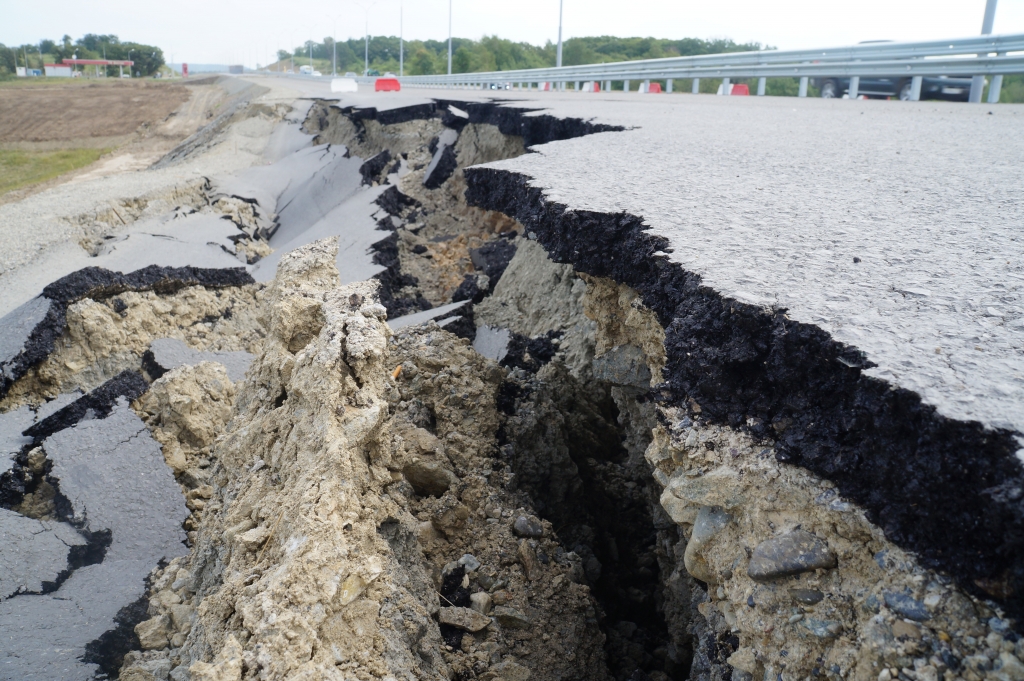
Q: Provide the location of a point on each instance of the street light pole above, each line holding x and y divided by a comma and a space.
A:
449, 37
334, 44
401, 42
978, 82
558, 58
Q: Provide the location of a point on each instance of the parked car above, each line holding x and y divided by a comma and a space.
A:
938, 87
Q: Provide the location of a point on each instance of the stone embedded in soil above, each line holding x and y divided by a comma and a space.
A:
907, 606
528, 559
806, 596
903, 629
821, 628
791, 554
508, 670
466, 619
710, 521
527, 526
154, 633
510, 618
428, 478
481, 602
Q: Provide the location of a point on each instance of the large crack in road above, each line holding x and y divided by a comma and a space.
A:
450, 428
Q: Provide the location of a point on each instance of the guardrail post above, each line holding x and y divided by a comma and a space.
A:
994, 88
608, 86
762, 83
854, 86
647, 87
696, 86
726, 87
577, 86
625, 86
915, 88
668, 85
803, 87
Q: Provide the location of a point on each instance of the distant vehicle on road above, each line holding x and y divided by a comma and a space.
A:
940, 87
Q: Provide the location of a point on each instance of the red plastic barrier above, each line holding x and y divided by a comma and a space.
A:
740, 89
387, 85
654, 88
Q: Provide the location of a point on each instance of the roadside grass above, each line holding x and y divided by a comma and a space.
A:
23, 168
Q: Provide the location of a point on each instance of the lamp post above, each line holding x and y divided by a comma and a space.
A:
366, 61
401, 41
558, 57
449, 37
130, 65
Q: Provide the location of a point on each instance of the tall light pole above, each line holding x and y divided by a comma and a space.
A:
978, 82
366, 57
558, 57
401, 41
449, 37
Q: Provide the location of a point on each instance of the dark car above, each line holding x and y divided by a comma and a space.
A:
940, 87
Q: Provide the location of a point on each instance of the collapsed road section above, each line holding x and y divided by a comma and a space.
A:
463, 421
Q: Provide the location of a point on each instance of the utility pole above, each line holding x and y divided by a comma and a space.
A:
449, 37
978, 82
311, 57
558, 58
366, 57
334, 44
401, 42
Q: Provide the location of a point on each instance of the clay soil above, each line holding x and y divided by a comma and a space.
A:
66, 111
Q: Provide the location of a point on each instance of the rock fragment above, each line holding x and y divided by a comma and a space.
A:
481, 602
154, 633
511, 618
466, 619
906, 606
428, 478
509, 670
790, 554
527, 526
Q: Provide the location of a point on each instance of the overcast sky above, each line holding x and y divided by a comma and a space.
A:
250, 31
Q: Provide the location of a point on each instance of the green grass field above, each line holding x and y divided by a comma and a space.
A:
23, 168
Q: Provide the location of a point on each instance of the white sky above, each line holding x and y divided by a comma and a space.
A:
250, 31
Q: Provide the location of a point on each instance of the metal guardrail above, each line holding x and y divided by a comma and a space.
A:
979, 55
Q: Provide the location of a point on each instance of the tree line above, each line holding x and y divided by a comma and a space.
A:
491, 53
148, 58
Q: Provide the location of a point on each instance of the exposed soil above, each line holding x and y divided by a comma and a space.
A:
66, 112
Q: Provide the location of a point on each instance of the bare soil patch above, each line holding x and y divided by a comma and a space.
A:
60, 112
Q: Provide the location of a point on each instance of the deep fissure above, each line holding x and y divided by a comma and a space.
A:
600, 498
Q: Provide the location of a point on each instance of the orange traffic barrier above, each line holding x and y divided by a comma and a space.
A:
387, 85
654, 88
740, 89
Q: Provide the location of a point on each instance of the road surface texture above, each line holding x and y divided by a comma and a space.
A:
656, 387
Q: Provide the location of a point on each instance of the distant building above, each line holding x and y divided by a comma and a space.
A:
59, 70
